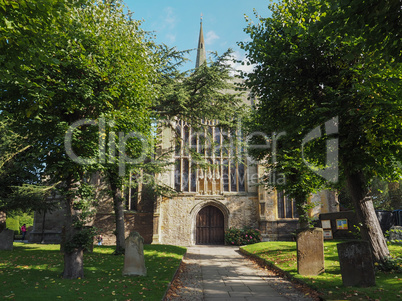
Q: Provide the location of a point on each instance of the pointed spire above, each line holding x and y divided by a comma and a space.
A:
201, 53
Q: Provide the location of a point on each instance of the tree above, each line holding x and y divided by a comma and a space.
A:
90, 62
305, 78
386, 195
116, 171
377, 23
10, 143
21, 188
187, 95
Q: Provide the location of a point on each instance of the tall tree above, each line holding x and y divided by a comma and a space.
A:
198, 93
305, 78
90, 62
186, 95
21, 188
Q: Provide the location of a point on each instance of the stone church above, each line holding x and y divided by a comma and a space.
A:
208, 200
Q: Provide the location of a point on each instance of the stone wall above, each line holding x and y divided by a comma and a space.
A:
50, 223
177, 216
283, 229
326, 201
142, 222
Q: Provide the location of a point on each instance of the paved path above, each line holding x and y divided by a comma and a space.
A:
221, 273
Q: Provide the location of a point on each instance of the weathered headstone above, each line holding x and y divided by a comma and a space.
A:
310, 251
356, 263
6, 239
134, 261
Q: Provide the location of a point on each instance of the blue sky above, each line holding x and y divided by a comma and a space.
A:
177, 22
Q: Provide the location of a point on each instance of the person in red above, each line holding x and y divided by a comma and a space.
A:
23, 231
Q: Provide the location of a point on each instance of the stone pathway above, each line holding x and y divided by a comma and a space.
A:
222, 273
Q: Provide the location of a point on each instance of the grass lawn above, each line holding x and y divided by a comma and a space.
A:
329, 284
32, 272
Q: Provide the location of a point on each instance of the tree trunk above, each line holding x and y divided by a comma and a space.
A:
363, 204
74, 264
118, 203
73, 261
301, 203
140, 199
42, 239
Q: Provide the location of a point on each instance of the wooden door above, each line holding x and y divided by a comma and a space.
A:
210, 226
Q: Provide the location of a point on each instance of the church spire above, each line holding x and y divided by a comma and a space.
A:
201, 54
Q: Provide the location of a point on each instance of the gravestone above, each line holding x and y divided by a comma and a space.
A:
134, 261
6, 239
356, 263
310, 251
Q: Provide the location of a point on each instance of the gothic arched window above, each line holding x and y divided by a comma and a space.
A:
208, 161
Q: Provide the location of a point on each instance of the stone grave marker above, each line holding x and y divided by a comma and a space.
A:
134, 261
356, 263
310, 251
6, 239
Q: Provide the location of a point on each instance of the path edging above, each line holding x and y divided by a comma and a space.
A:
174, 277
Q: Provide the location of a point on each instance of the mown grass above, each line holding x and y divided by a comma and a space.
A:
329, 284
33, 272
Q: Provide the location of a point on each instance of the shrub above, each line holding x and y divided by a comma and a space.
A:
13, 223
390, 264
388, 235
245, 236
16, 221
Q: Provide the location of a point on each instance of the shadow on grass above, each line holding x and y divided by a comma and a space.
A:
284, 250
33, 272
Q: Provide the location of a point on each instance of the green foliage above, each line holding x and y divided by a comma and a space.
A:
66, 61
27, 219
27, 197
357, 231
309, 77
11, 143
188, 95
239, 237
20, 187
303, 78
377, 23
82, 239
85, 203
15, 222
386, 196
390, 264
393, 241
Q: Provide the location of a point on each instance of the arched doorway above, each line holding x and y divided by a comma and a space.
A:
210, 226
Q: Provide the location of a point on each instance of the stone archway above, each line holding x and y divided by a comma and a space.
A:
209, 219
